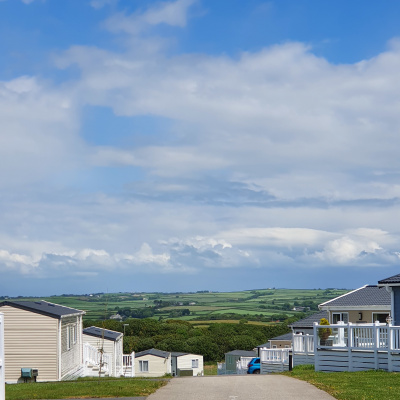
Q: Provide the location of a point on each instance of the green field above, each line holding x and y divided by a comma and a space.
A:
262, 304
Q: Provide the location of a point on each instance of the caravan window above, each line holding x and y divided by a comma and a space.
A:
143, 366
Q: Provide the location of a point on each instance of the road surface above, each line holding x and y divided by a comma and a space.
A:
239, 387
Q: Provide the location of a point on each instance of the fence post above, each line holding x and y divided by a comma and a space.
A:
316, 361
350, 345
377, 343
390, 347
2, 373
132, 364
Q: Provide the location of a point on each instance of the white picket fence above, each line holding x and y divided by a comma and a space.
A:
2, 377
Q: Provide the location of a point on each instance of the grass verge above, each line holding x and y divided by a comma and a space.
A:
366, 385
210, 368
122, 387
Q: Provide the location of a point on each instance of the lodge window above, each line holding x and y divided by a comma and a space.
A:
336, 317
195, 363
380, 317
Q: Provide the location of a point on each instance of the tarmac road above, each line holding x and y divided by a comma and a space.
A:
239, 387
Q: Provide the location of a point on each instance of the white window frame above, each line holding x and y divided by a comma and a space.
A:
72, 336
343, 316
195, 363
75, 334
68, 338
143, 366
375, 313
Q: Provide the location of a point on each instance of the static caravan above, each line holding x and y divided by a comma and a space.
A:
152, 363
111, 342
186, 364
44, 337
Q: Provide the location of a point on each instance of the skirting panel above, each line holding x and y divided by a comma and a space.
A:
330, 361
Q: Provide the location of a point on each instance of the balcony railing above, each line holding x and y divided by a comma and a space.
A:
274, 356
377, 336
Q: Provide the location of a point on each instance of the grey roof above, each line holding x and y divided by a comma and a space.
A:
43, 307
153, 352
242, 353
369, 295
178, 354
100, 333
392, 279
286, 336
308, 322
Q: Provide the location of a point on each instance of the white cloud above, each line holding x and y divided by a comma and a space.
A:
39, 135
346, 250
170, 13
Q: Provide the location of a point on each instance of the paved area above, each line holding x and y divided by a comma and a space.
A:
239, 387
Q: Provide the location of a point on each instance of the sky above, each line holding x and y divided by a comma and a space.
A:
192, 145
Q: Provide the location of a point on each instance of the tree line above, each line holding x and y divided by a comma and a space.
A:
211, 341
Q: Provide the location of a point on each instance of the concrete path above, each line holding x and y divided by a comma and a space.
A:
239, 387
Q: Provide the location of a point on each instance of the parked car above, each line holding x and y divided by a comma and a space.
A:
253, 367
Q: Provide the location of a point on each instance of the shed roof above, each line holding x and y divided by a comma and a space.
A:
308, 322
44, 308
391, 279
368, 295
100, 333
153, 352
242, 353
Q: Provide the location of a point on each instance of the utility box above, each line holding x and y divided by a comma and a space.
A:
26, 373
29, 373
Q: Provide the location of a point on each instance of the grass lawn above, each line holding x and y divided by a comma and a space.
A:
366, 385
112, 387
210, 368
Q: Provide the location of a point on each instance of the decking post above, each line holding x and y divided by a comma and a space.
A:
316, 361
350, 345
377, 344
132, 364
390, 347
2, 373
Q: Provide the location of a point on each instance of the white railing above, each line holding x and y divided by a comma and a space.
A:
303, 344
377, 336
2, 375
274, 356
241, 365
93, 356
128, 364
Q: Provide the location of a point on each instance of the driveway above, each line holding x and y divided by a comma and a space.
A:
239, 387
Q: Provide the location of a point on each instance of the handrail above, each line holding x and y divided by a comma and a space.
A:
274, 356
360, 336
92, 355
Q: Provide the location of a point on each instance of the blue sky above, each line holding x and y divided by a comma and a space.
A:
196, 144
